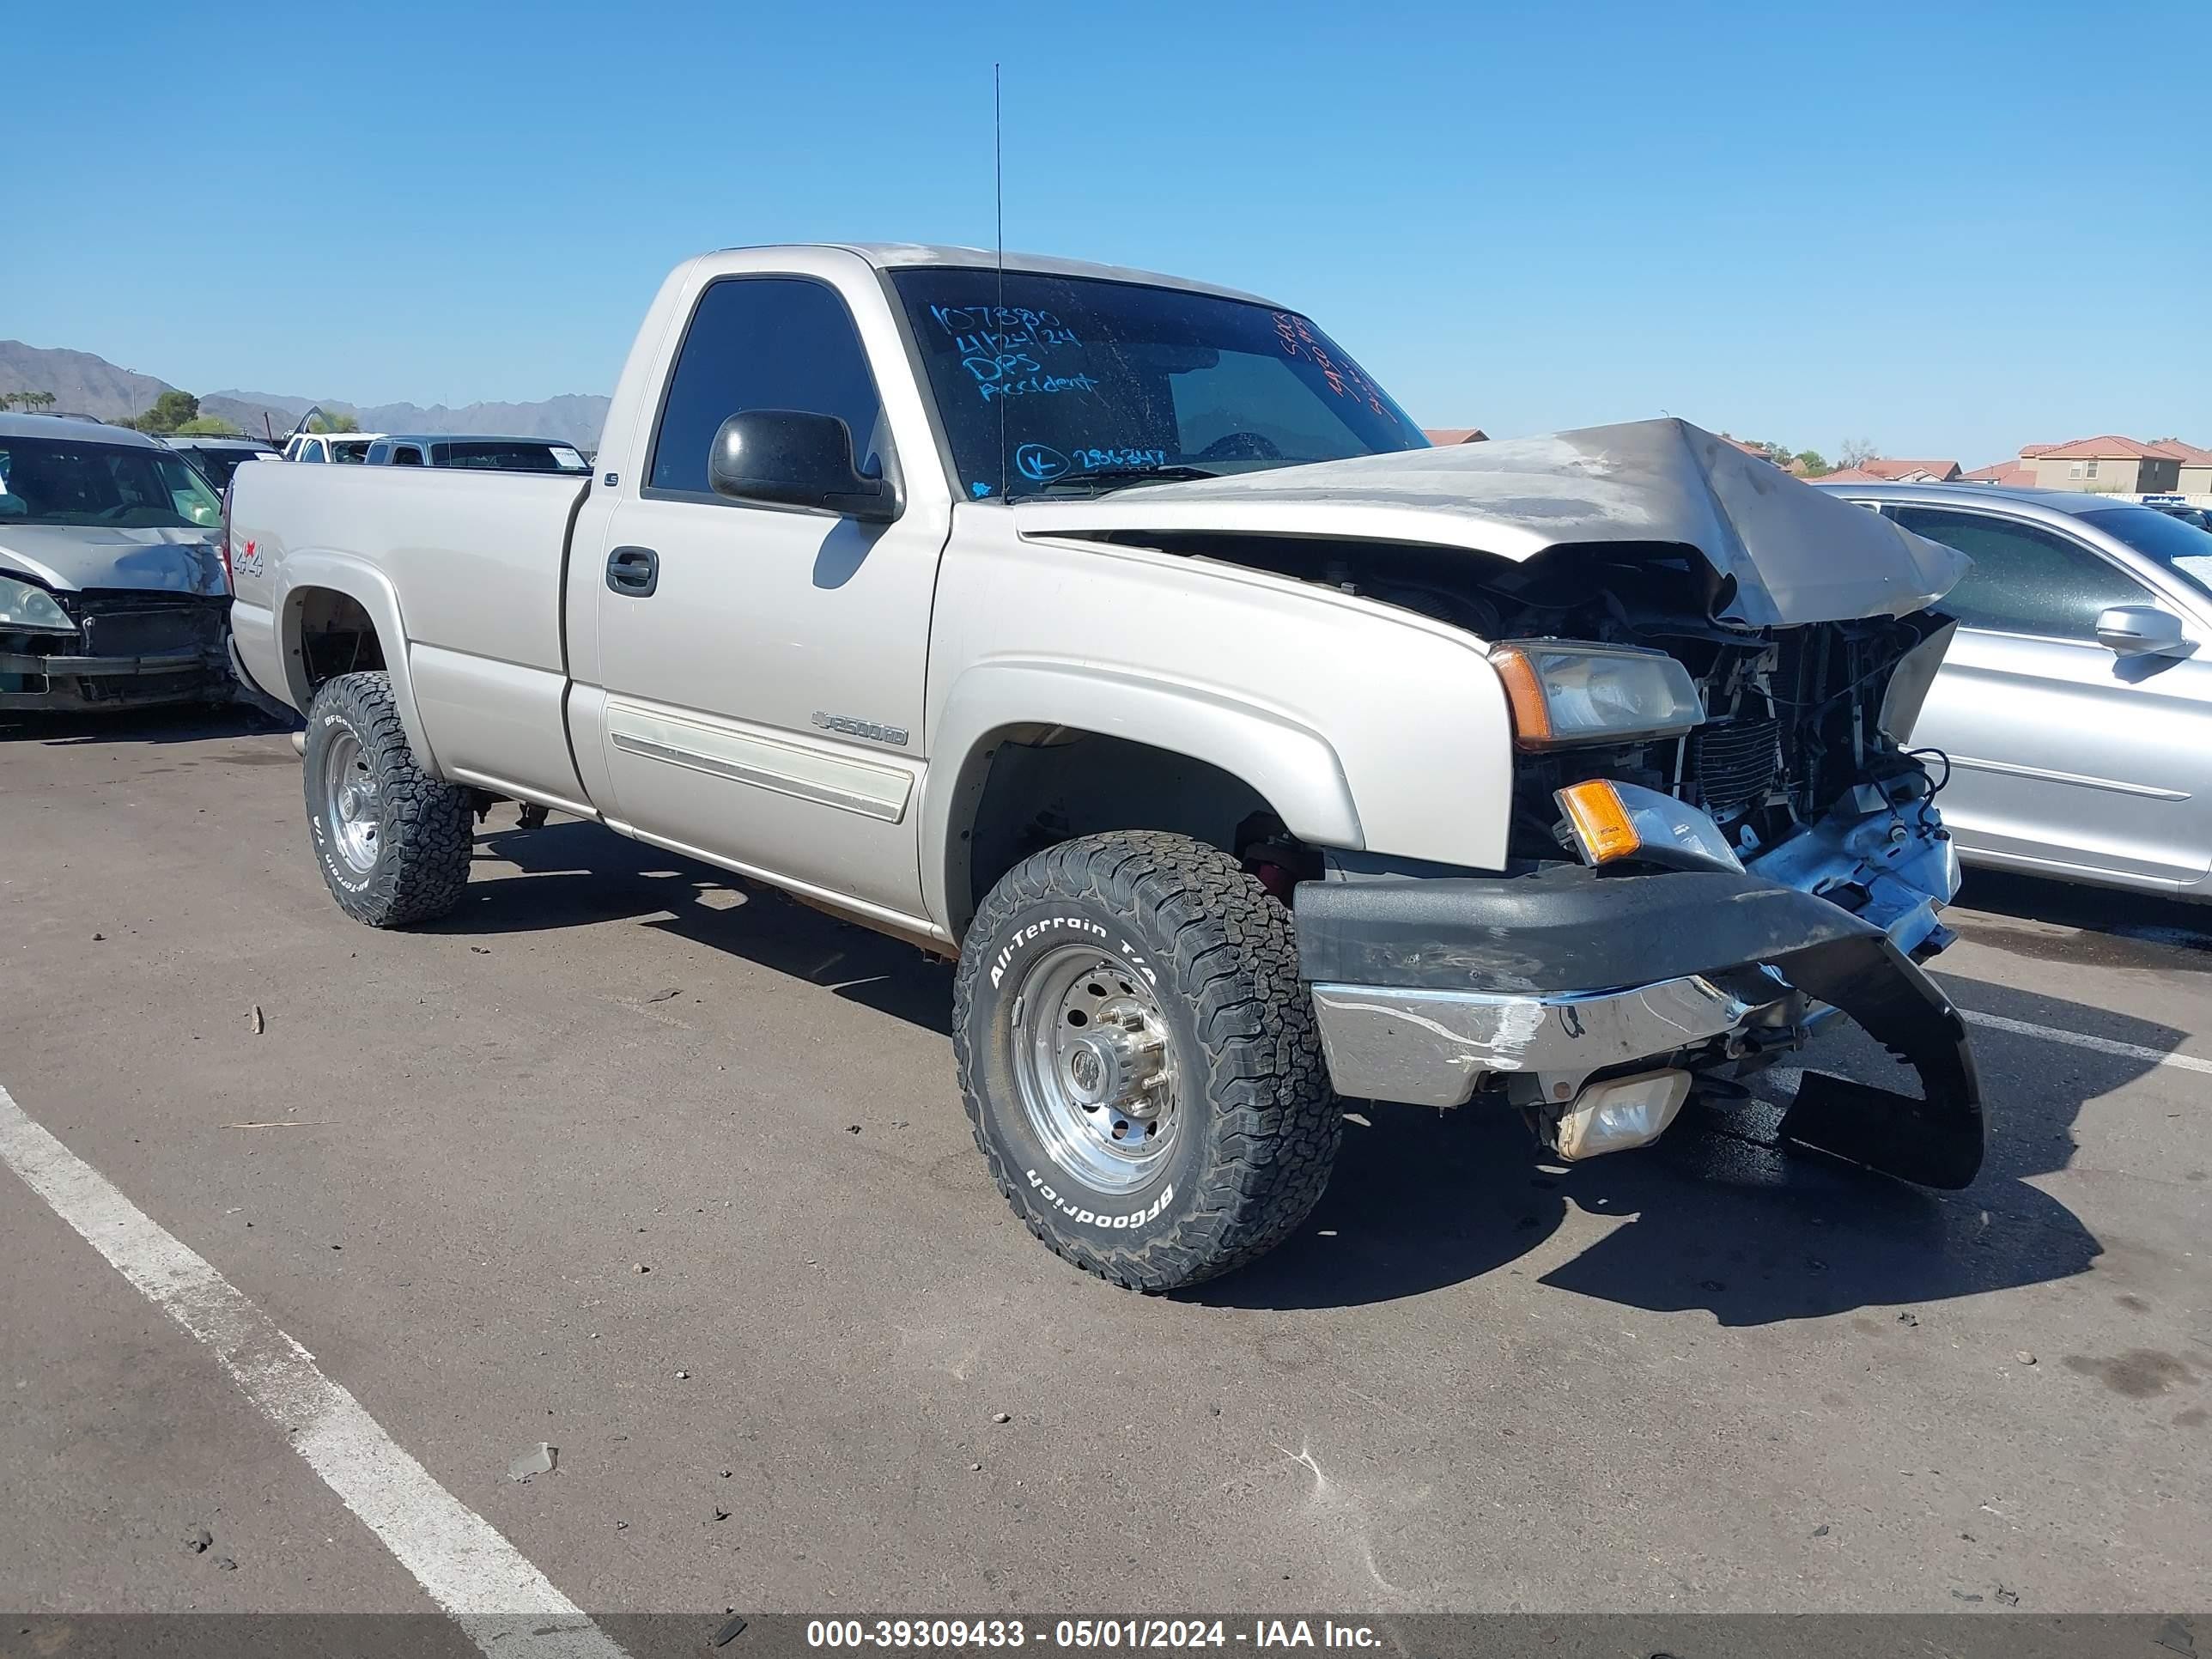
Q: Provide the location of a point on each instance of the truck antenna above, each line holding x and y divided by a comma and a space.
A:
999, 204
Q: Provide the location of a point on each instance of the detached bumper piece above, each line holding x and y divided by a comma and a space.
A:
1426, 987
130, 650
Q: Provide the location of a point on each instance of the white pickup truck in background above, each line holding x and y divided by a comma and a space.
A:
1120, 636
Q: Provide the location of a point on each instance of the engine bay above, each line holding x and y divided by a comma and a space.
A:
1794, 715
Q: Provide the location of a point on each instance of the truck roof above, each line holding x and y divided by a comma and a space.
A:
217, 441
897, 255
466, 437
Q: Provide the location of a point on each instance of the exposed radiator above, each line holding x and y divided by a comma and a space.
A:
1735, 762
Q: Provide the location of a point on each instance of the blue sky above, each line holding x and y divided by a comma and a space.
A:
1948, 228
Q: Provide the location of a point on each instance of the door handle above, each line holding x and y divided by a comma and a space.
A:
634, 571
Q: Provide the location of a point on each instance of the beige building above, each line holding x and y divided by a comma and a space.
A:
2104, 466
2194, 465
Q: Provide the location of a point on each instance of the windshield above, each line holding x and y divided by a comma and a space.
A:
62, 481
502, 455
1059, 383
2178, 545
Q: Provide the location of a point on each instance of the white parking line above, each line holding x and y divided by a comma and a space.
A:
2082, 1040
506, 1606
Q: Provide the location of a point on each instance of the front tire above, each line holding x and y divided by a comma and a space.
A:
1139, 1061
392, 842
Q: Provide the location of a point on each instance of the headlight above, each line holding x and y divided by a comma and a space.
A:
1566, 691
23, 605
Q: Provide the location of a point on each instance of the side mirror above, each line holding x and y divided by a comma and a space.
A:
2140, 630
795, 457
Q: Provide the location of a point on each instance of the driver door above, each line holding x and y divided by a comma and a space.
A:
764, 665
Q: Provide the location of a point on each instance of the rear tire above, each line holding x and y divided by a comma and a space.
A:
392, 842
1139, 1060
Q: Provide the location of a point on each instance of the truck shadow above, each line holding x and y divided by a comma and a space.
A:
1718, 1217
177, 723
575, 874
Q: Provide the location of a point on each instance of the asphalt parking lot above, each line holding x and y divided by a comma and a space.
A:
671, 1175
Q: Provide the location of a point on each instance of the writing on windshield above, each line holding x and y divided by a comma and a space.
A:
1046, 383
1005, 348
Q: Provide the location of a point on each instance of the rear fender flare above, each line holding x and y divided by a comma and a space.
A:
371, 589
1294, 768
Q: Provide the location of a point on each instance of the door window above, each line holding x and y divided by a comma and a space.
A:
2025, 579
311, 451
764, 342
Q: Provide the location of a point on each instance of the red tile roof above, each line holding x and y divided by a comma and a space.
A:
1456, 435
2188, 455
2109, 447
1852, 475
2011, 474
1943, 471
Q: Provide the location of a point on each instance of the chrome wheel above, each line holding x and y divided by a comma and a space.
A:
351, 803
1095, 1067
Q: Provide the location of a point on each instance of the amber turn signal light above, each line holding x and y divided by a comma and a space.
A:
1524, 692
1599, 820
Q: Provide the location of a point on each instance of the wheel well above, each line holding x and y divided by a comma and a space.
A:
1042, 786
335, 635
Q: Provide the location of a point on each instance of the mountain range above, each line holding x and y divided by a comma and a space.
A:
83, 384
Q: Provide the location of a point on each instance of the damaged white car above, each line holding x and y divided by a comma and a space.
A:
1120, 636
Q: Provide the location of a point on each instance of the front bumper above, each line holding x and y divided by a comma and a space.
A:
1427, 988
55, 683
130, 650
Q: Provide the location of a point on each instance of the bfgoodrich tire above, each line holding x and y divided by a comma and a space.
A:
392, 842
1139, 1060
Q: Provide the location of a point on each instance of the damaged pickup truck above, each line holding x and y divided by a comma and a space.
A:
1119, 636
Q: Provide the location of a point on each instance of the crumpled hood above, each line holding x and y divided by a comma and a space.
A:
65, 556
1797, 554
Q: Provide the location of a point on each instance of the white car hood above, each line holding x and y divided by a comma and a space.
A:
66, 557
1793, 554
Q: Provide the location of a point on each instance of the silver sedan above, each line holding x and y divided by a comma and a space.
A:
2076, 703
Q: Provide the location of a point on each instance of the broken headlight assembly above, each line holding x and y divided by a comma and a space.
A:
1570, 691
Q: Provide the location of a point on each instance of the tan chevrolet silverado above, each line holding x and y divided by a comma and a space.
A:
1120, 636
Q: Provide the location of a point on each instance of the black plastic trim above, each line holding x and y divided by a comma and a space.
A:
1554, 927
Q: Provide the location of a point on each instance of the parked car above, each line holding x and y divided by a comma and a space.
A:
111, 590
218, 457
474, 450
1093, 626
2175, 506
342, 446
2075, 708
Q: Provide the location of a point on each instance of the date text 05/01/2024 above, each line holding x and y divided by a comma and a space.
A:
1260, 1635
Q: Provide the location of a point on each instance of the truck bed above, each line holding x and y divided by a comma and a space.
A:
474, 560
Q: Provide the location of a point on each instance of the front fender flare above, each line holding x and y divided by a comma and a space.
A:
371, 589
1291, 766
